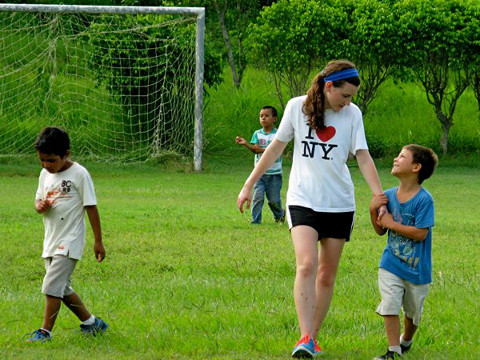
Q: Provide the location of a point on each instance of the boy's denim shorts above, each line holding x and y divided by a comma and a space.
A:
327, 225
396, 292
57, 279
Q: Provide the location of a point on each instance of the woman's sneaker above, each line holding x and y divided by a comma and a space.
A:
318, 350
39, 335
304, 348
98, 327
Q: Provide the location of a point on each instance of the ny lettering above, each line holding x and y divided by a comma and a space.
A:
310, 151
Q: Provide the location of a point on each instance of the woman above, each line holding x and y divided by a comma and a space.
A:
326, 128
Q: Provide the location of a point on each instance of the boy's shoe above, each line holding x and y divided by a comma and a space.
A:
39, 335
318, 350
282, 219
405, 348
304, 348
96, 328
389, 355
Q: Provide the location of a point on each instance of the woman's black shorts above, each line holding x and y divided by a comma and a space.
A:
327, 225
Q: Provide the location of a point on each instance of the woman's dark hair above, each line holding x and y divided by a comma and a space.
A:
53, 140
314, 104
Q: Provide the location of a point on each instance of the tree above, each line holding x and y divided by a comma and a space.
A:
314, 32
228, 20
144, 66
221, 10
476, 87
473, 12
370, 39
436, 53
293, 37
234, 18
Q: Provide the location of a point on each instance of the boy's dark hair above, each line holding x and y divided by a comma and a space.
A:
424, 156
53, 140
272, 109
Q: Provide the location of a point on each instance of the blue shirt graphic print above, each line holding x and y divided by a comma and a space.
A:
404, 257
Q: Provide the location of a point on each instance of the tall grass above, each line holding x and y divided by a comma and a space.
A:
399, 114
230, 112
187, 277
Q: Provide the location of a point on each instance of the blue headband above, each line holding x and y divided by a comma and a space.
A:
342, 74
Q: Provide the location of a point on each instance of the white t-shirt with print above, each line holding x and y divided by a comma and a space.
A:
69, 191
320, 179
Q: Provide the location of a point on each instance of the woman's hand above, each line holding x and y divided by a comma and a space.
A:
244, 196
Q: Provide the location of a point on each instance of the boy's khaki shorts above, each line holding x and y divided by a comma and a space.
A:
397, 292
57, 279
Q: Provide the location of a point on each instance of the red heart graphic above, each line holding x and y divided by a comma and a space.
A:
326, 133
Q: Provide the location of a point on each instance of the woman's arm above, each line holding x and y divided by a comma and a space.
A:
369, 171
271, 153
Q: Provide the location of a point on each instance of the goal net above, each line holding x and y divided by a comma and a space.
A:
126, 85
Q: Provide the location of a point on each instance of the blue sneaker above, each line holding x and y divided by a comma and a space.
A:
98, 327
304, 348
39, 335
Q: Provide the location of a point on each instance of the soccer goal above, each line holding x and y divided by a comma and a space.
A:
125, 82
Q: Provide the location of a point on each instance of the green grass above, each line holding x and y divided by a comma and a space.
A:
187, 277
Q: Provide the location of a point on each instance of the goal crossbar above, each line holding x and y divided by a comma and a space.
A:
199, 12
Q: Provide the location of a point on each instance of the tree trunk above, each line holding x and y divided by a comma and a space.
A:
444, 140
447, 123
476, 88
226, 39
435, 85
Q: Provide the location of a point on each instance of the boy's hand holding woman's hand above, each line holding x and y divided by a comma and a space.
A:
386, 221
379, 205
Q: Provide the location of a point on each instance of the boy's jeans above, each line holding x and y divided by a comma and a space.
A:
271, 186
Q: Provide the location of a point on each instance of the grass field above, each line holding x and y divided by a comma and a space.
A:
187, 277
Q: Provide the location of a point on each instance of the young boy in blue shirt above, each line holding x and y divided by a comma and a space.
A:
270, 183
65, 191
405, 270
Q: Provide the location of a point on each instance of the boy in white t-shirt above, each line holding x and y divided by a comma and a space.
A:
270, 184
65, 191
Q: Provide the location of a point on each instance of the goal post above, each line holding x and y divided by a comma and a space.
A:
68, 54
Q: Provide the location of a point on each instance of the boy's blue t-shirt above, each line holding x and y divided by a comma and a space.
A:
410, 260
263, 139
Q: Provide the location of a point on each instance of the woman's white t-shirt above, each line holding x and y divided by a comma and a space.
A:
320, 179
